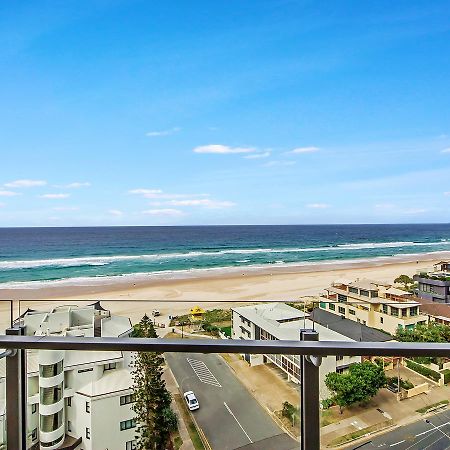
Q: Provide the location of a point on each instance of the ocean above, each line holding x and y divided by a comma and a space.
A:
30, 257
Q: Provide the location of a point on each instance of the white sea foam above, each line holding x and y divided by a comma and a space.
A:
195, 273
105, 260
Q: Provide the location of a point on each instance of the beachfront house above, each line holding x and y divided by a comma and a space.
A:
372, 303
76, 400
433, 284
278, 321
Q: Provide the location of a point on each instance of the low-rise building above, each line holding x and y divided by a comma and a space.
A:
375, 304
433, 284
278, 321
76, 400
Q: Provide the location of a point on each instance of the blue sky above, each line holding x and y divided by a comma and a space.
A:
225, 112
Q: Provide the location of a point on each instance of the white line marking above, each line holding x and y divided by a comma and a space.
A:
432, 429
242, 428
397, 443
203, 373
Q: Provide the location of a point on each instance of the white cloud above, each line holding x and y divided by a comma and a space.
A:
54, 196
76, 185
279, 163
414, 211
206, 202
116, 212
8, 193
168, 212
258, 155
222, 149
300, 150
446, 150
25, 183
145, 191
318, 205
163, 132
447, 193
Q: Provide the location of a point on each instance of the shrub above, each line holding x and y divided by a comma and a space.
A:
446, 373
425, 371
327, 403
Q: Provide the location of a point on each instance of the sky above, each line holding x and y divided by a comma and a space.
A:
226, 112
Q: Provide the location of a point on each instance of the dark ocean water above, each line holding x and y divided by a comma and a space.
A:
45, 254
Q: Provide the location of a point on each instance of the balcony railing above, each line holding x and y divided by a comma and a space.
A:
308, 348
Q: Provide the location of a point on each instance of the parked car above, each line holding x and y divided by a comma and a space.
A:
191, 400
156, 313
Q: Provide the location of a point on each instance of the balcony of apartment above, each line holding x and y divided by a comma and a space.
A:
228, 409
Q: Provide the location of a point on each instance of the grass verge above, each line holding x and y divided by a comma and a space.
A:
359, 433
192, 429
425, 409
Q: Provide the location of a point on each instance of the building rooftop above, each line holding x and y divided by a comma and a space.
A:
271, 317
114, 381
346, 327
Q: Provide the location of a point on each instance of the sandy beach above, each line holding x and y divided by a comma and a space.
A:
176, 296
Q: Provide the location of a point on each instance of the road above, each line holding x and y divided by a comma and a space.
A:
419, 435
229, 416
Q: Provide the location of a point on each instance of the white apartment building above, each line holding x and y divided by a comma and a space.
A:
278, 321
76, 400
372, 303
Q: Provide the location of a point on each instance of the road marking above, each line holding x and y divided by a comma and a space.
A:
433, 429
203, 373
242, 428
397, 443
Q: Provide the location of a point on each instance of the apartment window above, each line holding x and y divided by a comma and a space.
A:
352, 312
385, 309
353, 290
130, 445
88, 407
394, 311
69, 401
364, 293
413, 311
381, 320
127, 424
110, 366
323, 305
90, 369
332, 306
374, 294
126, 399
341, 310
69, 425
34, 434
88, 433
33, 408
342, 298
339, 358
50, 370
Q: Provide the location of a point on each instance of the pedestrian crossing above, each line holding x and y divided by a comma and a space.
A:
203, 373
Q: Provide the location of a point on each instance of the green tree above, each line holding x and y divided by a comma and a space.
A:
154, 417
405, 280
358, 385
430, 332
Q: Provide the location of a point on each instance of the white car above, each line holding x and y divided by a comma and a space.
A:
191, 400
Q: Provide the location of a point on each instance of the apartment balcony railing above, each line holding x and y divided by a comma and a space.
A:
308, 348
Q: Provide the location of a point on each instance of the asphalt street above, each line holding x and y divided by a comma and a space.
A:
229, 416
419, 435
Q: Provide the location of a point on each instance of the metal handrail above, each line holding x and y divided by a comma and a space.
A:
321, 348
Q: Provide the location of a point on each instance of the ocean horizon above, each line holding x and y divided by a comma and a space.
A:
34, 257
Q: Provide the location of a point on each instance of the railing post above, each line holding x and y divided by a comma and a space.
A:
310, 412
16, 396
